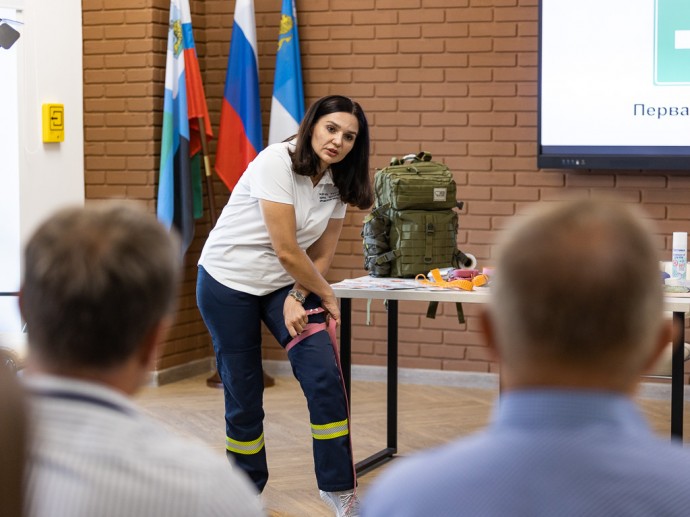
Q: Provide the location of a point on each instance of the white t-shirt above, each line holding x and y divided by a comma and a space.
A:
238, 252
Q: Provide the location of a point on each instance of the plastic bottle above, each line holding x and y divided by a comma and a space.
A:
680, 255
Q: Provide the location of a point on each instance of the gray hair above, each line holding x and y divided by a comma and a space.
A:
96, 281
577, 284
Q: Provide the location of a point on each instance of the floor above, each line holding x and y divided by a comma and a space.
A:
428, 416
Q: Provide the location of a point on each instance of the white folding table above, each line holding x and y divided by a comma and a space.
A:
370, 288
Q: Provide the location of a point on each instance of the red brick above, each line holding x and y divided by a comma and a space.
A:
398, 32
376, 17
421, 105
105, 192
352, 33
491, 208
495, 120
515, 104
125, 4
468, 75
516, 74
491, 90
444, 90
521, 44
649, 181
347, 62
101, 18
491, 178
400, 61
559, 194
465, 366
496, 30
470, 44
143, 192
491, 149
375, 47
540, 179
589, 180
425, 16
443, 352
398, 4
492, 59
398, 90
468, 104
446, 30
468, 134
515, 14
424, 46
515, 194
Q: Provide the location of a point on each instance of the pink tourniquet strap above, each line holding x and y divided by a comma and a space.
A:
313, 328
309, 329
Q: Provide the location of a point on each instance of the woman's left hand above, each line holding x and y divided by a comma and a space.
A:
295, 316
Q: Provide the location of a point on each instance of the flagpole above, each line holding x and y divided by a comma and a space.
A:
207, 169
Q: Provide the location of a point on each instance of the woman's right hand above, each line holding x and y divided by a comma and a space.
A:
295, 316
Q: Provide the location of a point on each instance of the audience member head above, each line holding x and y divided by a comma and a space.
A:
99, 283
576, 299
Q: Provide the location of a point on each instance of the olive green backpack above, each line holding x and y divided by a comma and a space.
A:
413, 227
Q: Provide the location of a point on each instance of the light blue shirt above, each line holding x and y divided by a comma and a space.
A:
94, 454
546, 453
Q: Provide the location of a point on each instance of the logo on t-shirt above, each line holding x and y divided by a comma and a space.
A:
328, 195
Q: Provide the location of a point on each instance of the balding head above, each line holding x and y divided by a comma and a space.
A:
577, 292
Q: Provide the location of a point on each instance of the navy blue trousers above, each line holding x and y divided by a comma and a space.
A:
234, 321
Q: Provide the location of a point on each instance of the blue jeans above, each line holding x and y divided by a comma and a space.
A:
234, 321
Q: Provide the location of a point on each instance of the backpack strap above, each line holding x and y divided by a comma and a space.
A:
386, 257
460, 260
433, 307
429, 230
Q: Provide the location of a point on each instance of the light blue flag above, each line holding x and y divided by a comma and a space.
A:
175, 197
287, 106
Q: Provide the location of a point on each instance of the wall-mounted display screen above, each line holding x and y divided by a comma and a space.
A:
614, 84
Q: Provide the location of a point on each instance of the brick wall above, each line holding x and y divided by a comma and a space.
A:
459, 82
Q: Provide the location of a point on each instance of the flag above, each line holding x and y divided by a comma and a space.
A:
287, 105
239, 136
179, 184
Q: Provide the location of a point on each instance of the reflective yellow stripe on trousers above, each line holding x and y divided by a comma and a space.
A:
329, 431
239, 447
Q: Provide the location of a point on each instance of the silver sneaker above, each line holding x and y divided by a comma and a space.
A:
344, 504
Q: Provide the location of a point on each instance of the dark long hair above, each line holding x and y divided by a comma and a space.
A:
351, 175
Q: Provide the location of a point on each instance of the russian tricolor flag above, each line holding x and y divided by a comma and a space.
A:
239, 136
179, 184
287, 106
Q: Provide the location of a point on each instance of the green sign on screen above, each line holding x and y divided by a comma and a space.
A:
672, 42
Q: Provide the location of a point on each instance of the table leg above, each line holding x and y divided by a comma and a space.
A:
346, 342
387, 453
383, 455
678, 376
392, 388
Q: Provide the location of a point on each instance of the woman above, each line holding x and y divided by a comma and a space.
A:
265, 261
